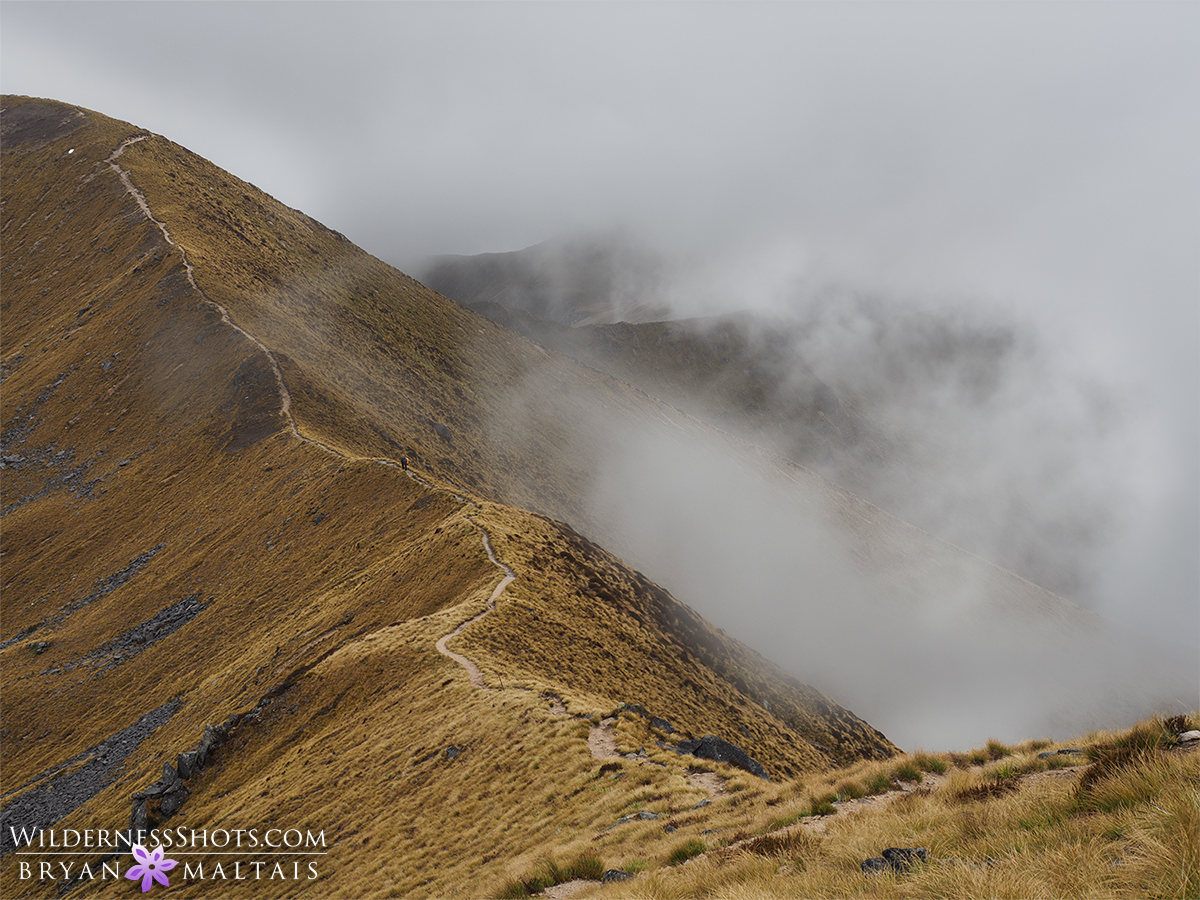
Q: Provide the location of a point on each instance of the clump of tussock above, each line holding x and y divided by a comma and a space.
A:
685, 851
907, 770
996, 750
1147, 735
547, 873
1120, 778
1176, 725
879, 783
934, 763
968, 787
792, 843
850, 789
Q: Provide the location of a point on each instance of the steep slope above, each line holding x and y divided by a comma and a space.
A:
204, 521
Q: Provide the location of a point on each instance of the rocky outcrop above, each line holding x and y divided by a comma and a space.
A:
615, 875
894, 859
719, 750
168, 793
1065, 751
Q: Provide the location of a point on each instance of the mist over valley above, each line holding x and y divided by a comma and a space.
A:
957, 421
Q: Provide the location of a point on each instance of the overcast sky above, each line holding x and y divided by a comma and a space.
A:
1034, 158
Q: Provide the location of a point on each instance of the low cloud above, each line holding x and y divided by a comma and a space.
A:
936, 648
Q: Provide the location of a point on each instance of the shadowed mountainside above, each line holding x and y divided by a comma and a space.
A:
582, 281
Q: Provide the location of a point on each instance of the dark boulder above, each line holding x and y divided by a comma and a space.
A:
895, 859
615, 875
172, 801
170, 781
1065, 751
719, 750
186, 764
904, 858
138, 820
208, 743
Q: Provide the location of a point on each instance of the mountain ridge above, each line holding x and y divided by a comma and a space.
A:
157, 495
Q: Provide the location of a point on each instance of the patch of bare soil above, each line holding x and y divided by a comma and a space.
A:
602, 739
566, 889
708, 781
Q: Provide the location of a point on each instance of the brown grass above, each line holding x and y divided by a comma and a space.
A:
1130, 829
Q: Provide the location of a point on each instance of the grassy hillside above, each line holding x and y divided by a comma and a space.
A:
205, 398
1110, 814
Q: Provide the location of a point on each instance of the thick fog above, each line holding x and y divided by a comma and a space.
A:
869, 174
935, 648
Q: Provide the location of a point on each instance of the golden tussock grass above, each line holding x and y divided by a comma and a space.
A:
1125, 826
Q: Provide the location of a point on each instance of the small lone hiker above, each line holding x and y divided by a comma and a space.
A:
404, 463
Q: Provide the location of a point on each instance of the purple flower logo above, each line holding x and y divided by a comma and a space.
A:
151, 867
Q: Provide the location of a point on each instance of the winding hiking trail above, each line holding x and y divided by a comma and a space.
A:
472, 670
136, 193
